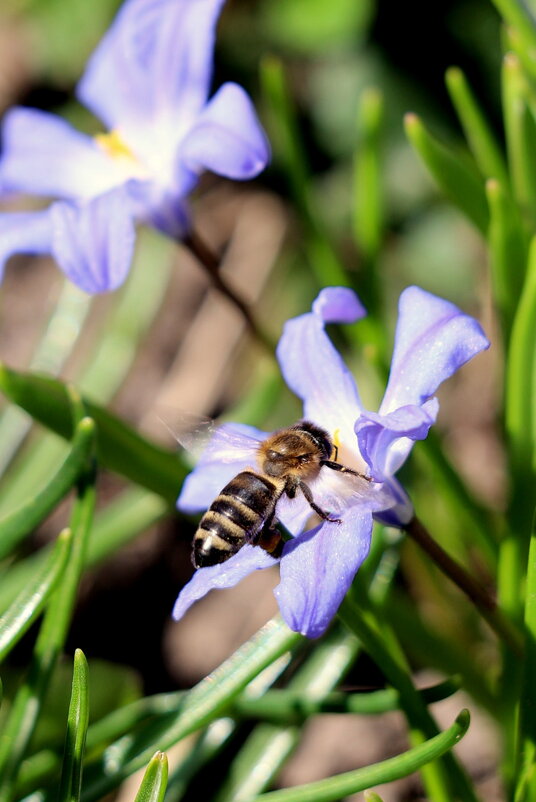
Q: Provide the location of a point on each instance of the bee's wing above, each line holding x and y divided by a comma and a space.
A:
232, 442
203, 438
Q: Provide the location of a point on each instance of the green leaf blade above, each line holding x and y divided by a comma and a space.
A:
16, 525
75, 739
154, 783
389, 770
31, 600
119, 447
454, 177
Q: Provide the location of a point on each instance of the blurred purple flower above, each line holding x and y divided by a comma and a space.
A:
148, 81
433, 339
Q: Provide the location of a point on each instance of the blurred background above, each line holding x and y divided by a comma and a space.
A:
168, 345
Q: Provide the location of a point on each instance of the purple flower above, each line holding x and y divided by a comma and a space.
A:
148, 81
433, 339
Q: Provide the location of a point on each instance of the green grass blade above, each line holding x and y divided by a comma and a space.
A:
368, 204
520, 130
15, 526
154, 783
516, 14
387, 655
129, 514
77, 722
292, 706
394, 768
203, 704
456, 178
526, 741
520, 424
483, 144
29, 698
290, 151
508, 247
29, 603
119, 447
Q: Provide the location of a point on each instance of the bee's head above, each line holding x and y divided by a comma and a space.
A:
297, 450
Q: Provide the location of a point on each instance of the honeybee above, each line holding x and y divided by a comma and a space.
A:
245, 509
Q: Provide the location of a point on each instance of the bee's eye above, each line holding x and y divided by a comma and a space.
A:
303, 458
271, 454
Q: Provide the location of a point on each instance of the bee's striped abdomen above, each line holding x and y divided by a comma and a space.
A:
235, 517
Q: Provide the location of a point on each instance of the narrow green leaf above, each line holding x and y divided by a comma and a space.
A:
29, 698
129, 514
520, 130
289, 149
119, 447
293, 706
508, 251
479, 134
389, 770
31, 600
371, 796
526, 741
15, 526
455, 175
154, 783
516, 14
368, 204
75, 739
201, 705
380, 643
520, 423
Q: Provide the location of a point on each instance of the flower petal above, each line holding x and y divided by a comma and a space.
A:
223, 575
156, 206
156, 59
385, 440
93, 243
232, 448
318, 567
43, 155
313, 368
24, 232
227, 137
433, 339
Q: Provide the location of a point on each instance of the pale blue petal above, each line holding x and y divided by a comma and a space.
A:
433, 339
401, 512
223, 575
43, 155
313, 368
94, 243
318, 567
227, 137
386, 440
24, 232
154, 61
158, 206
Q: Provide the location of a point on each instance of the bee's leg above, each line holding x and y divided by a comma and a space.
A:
271, 541
336, 466
306, 490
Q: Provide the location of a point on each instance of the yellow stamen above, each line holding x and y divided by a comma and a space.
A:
336, 440
114, 145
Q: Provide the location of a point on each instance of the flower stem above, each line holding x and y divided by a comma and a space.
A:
486, 604
211, 265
